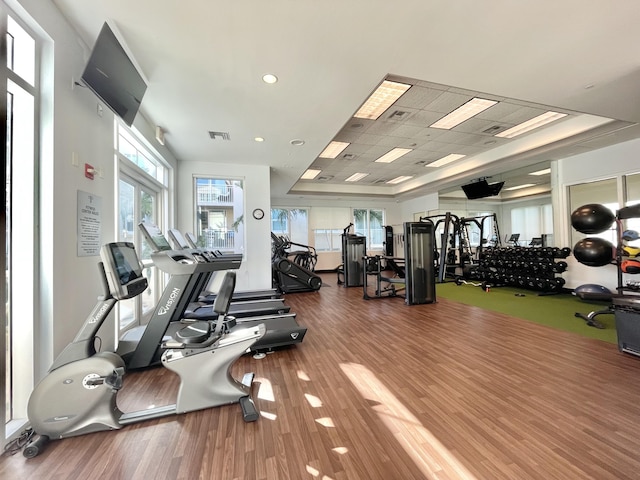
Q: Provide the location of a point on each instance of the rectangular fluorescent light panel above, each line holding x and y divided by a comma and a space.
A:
525, 185
452, 157
541, 172
333, 149
462, 113
356, 176
399, 179
310, 174
532, 124
394, 154
384, 96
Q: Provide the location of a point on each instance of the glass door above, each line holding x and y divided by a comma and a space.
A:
137, 203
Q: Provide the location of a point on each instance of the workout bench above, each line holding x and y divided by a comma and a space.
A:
372, 265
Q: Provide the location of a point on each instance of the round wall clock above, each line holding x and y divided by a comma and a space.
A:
258, 214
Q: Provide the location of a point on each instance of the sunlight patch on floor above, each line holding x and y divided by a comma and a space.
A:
426, 451
316, 473
326, 422
265, 390
314, 401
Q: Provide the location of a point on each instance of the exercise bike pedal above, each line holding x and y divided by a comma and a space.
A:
249, 410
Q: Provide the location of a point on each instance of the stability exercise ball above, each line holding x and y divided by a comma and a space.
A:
591, 289
594, 252
592, 218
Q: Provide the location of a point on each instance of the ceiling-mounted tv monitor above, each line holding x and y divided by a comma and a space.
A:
112, 76
481, 189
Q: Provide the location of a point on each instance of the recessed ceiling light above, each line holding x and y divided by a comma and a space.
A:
399, 179
532, 124
356, 176
269, 78
394, 154
297, 142
333, 149
541, 172
470, 109
525, 185
452, 157
310, 174
259, 139
383, 97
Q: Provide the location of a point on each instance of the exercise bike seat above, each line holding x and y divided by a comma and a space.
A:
196, 332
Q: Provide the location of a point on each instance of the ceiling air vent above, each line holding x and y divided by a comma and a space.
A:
421, 162
398, 115
380, 181
348, 156
220, 135
495, 129
325, 177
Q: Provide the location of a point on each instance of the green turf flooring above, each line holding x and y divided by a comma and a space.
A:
556, 311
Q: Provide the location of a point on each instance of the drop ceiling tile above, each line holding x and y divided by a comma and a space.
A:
424, 118
382, 128
448, 102
407, 131
477, 126
522, 114
418, 97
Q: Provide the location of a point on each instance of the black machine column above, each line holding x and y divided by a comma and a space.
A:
388, 241
354, 247
419, 245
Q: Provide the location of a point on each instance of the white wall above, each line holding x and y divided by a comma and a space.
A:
255, 271
70, 284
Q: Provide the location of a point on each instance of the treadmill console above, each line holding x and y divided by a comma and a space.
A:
154, 237
123, 270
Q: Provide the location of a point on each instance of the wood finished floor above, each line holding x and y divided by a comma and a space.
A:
381, 390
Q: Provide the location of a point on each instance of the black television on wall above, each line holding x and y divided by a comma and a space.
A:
481, 189
113, 77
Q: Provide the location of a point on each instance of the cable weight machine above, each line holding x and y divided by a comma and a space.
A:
354, 249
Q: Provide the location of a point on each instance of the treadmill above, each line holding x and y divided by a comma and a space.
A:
140, 347
143, 347
188, 242
282, 329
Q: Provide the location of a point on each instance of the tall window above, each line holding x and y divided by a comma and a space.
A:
142, 195
22, 98
632, 195
530, 222
292, 223
219, 209
369, 222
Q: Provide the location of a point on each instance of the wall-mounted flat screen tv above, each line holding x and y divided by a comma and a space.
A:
112, 76
481, 189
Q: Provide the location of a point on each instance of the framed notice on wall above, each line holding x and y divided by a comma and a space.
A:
89, 224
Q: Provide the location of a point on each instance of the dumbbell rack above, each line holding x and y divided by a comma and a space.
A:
532, 268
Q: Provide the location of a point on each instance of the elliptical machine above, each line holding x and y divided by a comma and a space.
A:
78, 395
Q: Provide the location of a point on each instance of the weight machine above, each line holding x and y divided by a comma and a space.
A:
454, 256
390, 281
419, 248
354, 248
